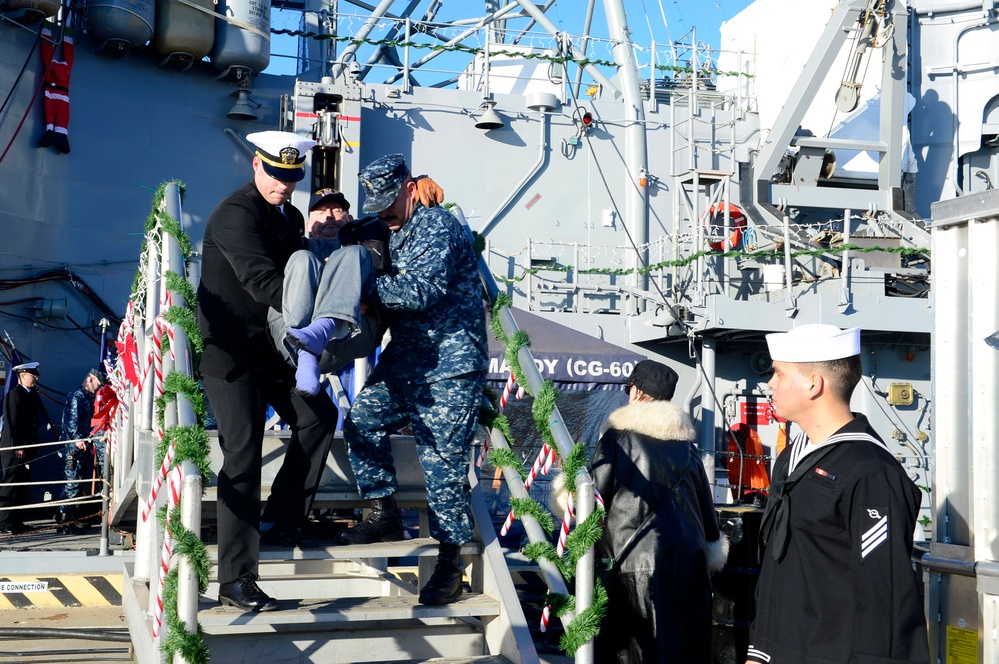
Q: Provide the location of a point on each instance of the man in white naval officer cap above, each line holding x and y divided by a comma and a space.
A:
248, 240
836, 584
21, 411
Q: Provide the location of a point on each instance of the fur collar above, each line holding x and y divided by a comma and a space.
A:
658, 419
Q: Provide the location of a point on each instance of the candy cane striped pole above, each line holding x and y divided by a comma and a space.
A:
545, 617
563, 533
482, 453
159, 326
174, 485
599, 499
511, 382
521, 391
549, 460
143, 372
535, 469
158, 482
506, 524
527, 486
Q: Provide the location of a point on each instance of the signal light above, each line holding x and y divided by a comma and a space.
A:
587, 119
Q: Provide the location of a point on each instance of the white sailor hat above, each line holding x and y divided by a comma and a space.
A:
282, 153
814, 342
27, 367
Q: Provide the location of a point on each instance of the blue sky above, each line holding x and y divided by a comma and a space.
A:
663, 19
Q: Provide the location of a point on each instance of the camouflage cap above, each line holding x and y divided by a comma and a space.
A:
382, 180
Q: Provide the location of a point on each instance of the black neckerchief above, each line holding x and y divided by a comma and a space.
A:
774, 530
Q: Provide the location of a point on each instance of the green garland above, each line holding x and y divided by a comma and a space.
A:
587, 623
542, 409
711, 253
190, 442
586, 534
577, 460
531, 507
178, 284
180, 383
458, 48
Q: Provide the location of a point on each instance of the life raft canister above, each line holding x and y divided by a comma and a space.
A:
715, 220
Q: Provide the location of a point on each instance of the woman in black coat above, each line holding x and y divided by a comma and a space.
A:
660, 528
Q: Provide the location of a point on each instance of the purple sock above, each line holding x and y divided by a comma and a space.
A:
307, 375
312, 337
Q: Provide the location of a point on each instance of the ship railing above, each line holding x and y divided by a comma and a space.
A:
92, 497
160, 418
472, 54
582, 499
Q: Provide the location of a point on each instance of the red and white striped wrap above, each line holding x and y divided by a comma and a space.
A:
511, 382
545, 617
563, 532
506, 524
482, 453
549, 460
143, 372
536, 468
159, 325
521, 391
600, 499
158, 481
166, 554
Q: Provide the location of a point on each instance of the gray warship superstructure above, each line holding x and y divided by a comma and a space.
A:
671, 199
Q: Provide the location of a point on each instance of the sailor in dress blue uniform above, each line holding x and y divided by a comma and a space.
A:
836, 584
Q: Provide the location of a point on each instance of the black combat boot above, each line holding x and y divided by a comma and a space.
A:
382, 524
444, 585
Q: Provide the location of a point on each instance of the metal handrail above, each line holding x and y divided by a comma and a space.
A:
136, 425
563, 440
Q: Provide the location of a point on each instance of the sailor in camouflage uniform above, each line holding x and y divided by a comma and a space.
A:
430, 375
76, 428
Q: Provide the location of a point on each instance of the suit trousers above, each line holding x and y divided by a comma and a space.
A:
240, 408
12, 470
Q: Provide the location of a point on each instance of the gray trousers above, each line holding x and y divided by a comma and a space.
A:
315, 289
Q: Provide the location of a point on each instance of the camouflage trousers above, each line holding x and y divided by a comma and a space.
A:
79, 467
443, 416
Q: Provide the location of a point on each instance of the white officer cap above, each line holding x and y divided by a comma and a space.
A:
282, 153
27, 367
814, 342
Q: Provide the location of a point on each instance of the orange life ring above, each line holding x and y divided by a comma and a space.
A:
738, 224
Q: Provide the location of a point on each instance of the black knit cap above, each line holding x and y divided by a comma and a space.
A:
655, 379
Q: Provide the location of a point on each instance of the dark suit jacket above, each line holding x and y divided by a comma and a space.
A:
246, 247
21, 418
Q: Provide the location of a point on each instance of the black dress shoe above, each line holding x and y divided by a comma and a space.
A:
244, 593
287, 536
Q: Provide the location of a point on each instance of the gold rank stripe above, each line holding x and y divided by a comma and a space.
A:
63, 591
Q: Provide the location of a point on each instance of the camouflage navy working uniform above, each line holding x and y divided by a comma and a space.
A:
432, 372
76, 416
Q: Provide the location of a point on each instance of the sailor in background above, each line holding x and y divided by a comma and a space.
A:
248, 240
430, 375
76, 427
837, 583
21, 408
661, 540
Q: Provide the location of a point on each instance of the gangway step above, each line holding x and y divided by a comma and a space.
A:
339, 613
416, 547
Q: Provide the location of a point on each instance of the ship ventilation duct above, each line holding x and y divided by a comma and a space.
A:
489, 118
244, 108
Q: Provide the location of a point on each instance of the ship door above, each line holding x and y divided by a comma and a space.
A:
326, 154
